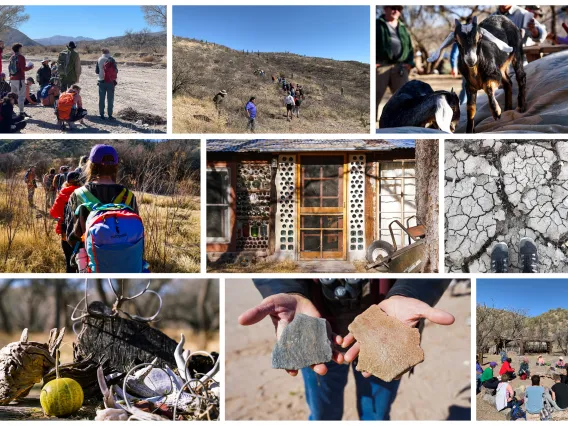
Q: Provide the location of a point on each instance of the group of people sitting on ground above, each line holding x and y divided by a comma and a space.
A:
77, 197
58, 87
538, 399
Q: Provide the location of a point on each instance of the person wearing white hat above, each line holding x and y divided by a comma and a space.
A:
218, 100
17, 67
560, 363
43, 75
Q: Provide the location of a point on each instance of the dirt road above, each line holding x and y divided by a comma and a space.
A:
140, 87
439, 389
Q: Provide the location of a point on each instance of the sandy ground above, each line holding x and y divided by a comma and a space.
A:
486, 411
438, 82
142, 88
439, 389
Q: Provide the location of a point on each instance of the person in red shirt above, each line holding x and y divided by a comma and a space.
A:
506, 368
18, 76
57, 211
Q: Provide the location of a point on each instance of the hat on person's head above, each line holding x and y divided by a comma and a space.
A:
64, 168
98, 152
560, 358
493, 364
2, 75
45, 59
73, 177
223, 92
72, 45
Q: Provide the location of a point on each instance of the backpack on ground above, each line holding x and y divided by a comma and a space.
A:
517, 412
109, 70
14, 65
63, 61
65, 106
114, 234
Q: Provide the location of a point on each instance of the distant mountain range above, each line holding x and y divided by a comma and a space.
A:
59, 40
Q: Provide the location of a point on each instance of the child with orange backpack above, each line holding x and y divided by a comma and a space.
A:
69, 107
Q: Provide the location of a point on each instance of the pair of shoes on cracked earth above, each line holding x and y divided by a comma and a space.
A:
528, 257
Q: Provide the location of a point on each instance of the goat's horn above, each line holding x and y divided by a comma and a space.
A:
452, 91
474, 20
24, 336
449, 39
180, 362
499, 43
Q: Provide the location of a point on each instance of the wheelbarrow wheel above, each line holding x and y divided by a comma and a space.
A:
379, 248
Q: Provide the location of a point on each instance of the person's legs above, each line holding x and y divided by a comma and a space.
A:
19, 88
102, 95
68, 252
463, 92
383, 76
110, 98
374, 396
398, 77
31, 191
324, 394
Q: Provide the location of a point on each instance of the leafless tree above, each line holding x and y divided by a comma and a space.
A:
12, 16
156, 16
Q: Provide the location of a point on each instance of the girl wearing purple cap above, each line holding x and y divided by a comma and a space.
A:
100, 173
487, 379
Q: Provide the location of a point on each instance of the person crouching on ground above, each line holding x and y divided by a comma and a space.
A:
30, 97
8, 122
540, 360
43, 76
50, 93
524, 370
70, 107
506, 368
290, 104
57, 211
251, 114
487, 379
107, 71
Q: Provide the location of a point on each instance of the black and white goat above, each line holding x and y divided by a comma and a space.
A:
486, 50
417, 104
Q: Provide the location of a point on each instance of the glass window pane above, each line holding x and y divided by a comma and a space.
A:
391, 187
409, 169
390, 204
311, 171
331, 170
217, 187
310, 241
312, 188
330, 188
311, 221
392, 169
332, 222
216, 221
332, 240
330, 202
409, 187
311, 202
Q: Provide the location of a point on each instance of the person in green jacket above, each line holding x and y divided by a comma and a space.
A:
395, 54
487, 379
69, 67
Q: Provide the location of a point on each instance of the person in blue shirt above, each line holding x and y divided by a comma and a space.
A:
251, 114
534, 396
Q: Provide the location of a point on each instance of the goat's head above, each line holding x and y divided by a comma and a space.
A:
468, 37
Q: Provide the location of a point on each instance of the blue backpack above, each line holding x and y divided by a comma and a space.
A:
517, 412
45, 91
114, 234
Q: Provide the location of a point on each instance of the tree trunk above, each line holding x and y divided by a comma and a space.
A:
427, 203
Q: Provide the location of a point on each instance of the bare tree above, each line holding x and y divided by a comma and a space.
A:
12, 16
156, 16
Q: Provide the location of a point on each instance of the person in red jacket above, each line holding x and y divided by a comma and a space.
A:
506, 368
58, 212
17, 68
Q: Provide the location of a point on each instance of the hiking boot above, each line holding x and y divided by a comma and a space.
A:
500, 258
103, 117
23, 114
110, 117
528, 255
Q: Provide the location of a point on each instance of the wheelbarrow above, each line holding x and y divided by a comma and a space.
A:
390, 258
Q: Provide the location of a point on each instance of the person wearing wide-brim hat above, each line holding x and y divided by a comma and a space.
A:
218, 100
69, 66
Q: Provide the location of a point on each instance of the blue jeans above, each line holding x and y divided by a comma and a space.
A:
324, 394
106, 90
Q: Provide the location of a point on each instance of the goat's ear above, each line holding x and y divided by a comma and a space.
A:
449, 40
474, 21
443, 114
498, 42
458, 24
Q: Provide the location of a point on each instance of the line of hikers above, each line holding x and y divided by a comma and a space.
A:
537, 399
97, 218
58, 87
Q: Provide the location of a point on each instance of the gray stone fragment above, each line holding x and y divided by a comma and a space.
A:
304, 342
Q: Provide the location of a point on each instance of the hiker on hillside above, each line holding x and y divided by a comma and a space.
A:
60, 178
70, 107
297, 104
250, 109
30, 180
101, 173
69, 66
290, 104
43, 75
17, 69
50, 93
218, 100
108, 71
4, 86
58, 211
9, 122
487, 379
50, 191
407, 301
395, 54
31, 98
81, 168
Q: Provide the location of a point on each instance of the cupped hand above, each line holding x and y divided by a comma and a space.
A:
408, 311
282, 309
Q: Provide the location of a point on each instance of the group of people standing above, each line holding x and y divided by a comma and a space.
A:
293, 96
96, 174
58, 87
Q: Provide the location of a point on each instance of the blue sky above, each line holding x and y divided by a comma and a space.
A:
337, 32
96, 22
535, 295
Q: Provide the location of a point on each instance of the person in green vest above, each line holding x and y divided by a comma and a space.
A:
395, 54
69, 67
487, 379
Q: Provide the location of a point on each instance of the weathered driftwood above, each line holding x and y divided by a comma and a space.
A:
121, 341
23, 364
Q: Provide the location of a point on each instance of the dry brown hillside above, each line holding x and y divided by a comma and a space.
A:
201, 69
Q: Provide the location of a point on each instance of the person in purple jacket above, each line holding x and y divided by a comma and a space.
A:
251, 114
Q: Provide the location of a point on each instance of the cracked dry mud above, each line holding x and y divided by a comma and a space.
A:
502, 191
